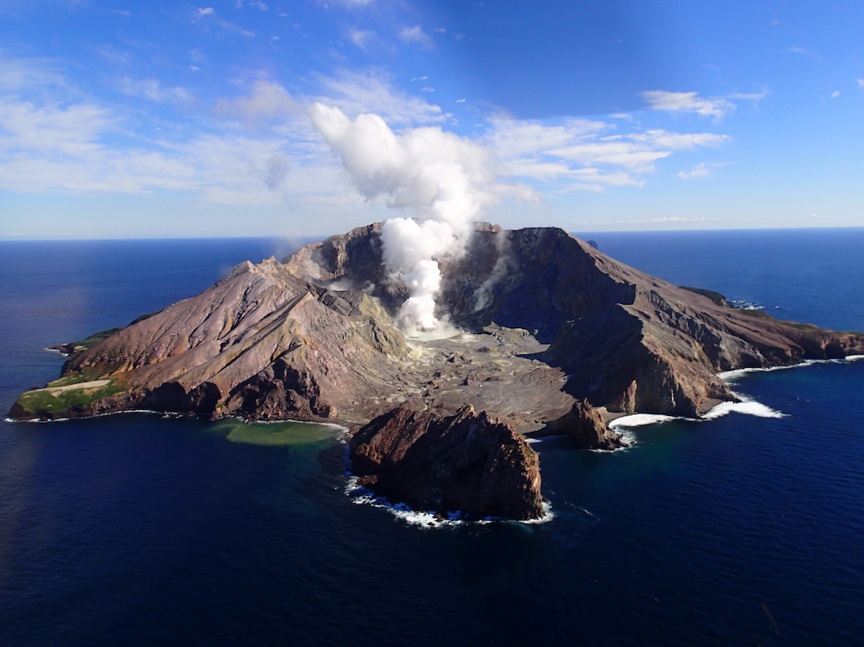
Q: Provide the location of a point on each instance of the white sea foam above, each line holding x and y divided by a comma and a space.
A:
628, 440
733, 376
746, 406
533, 441
638, 420
548, 516
426, 519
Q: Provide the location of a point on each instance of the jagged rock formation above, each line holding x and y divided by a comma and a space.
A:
465, 462
556, 337
585, 425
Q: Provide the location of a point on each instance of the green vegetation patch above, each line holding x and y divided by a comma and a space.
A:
55, 401
273, 434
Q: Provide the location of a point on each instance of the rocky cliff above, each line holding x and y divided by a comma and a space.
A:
464, 462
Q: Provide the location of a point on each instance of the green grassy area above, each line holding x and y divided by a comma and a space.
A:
43, 401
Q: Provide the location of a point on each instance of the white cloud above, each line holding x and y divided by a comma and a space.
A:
58, 139
860, 83
358, 92
580, 154
348, 3
152, 90
679, 141
416, 35
427, 89
259, 4
688, 102
698, 171
835, 94
18, 74
267, 101
231, 28
363, 38
205, 11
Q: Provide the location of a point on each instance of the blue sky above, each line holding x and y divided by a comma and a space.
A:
162, 119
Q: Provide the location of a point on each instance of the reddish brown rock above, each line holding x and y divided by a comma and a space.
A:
585, 426
465, 462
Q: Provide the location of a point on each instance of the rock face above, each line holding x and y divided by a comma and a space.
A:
556, 336
464, 462
585, 426
261, 343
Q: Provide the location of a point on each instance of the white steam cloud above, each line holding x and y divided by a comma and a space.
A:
444, 179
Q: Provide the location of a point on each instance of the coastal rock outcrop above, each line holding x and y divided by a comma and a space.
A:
464, 462
585, 426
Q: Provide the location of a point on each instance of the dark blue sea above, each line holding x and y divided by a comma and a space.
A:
138, 530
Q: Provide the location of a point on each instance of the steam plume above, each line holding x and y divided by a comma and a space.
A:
444, 179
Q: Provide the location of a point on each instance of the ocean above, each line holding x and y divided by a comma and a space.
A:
137, 530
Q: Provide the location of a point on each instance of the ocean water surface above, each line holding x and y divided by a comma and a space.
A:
138, 530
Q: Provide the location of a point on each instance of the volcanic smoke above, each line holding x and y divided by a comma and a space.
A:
444, 179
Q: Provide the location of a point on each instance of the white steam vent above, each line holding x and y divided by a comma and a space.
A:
444, 179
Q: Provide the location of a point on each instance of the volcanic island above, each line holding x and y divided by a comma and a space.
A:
545, 335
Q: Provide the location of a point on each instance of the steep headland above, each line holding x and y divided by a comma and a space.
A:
549, 335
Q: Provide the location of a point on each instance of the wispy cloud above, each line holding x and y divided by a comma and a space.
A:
363, 38
835, 94
267, 101
688, 102
416, 35
698, 171
372, 91
152, 90
31, 74
204, 11
579, 154
265, 150
347, 3
860, 83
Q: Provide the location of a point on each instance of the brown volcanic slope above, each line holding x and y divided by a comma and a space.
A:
549, 322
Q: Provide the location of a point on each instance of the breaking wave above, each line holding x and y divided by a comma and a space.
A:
747, 407
734, 376
425, 519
